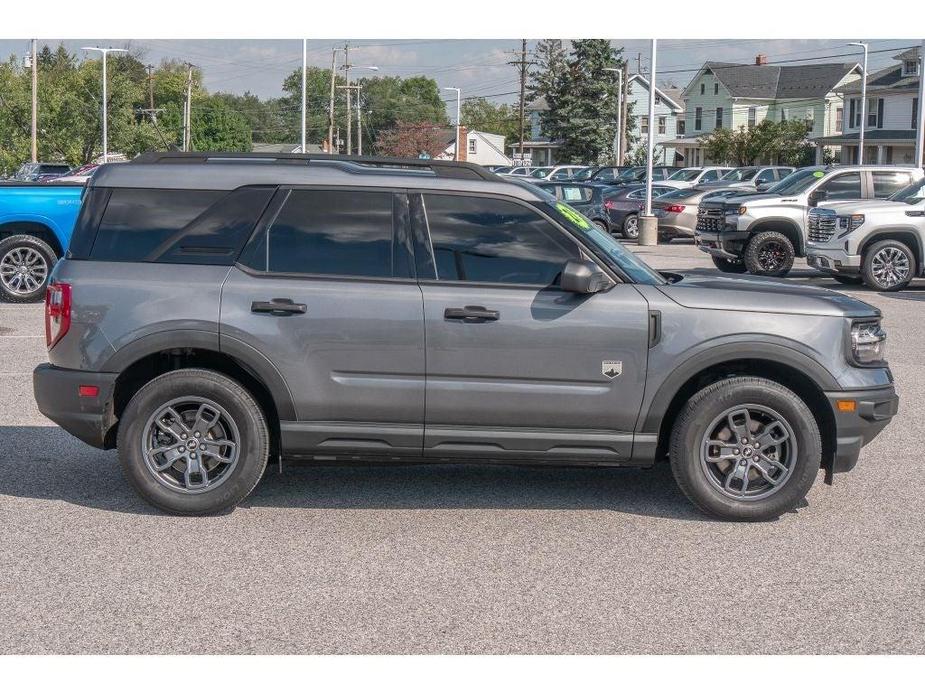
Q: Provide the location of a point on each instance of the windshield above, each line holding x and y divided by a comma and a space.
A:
583, 174
684, 175
676, 194
722, 194
911, 194
631, 174
797, 182
604, 243
542, 172
741, 174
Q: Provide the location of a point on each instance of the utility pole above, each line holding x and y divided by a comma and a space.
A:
150, 86
35, 103
331, 146
624, 96
865, 47
347, 82
522, 64
639, 63
187, 135
304, 87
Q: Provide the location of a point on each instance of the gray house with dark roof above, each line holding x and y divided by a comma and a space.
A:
892, 108
733, 96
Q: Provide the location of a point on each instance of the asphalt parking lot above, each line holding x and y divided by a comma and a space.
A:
463, 559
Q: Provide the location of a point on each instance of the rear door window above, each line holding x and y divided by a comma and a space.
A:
888, 182
329, 232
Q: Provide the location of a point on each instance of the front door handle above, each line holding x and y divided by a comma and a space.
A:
278, 307
471, 314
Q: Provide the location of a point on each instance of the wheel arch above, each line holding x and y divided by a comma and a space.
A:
784, 365
782, 225
39, 230
906, 235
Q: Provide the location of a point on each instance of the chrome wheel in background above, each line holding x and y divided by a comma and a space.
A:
23, 270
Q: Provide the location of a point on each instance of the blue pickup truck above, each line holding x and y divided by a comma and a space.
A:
36, 221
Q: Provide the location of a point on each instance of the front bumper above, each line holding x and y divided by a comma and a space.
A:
855, 429
88, 418
729, 244
833, 261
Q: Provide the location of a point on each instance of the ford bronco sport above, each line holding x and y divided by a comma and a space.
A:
216, 311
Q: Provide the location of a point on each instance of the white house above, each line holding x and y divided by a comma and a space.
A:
892, 110
732, 95
669, 117
477, 146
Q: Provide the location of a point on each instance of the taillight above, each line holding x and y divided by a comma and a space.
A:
675, 208
608, 204
57, 312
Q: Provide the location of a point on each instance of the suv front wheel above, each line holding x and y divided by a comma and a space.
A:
769, 253
888, 266
745, 449
193, 442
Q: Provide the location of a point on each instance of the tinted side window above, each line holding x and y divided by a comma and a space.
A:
844, 187
888, 182
327, 232
710, 176
138, 221
487, 240
92, 207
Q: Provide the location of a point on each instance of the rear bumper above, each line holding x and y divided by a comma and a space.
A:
853, 430
58, 398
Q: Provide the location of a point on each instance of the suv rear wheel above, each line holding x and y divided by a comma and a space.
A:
745, 448
25, 264
888, 266
193, 442
631, 227
733, 266
769, 253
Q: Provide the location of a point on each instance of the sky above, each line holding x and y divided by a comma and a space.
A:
478, 67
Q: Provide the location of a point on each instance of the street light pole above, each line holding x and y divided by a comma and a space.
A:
304, 88
456, 139
647, 224
863, 101
105, 52
619, 72
331, 146
920, 130
35, 103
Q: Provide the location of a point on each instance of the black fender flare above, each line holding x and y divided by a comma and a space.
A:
711, 355
248, 357
798, 247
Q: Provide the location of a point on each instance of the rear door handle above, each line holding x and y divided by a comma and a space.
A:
278, 307
471, 314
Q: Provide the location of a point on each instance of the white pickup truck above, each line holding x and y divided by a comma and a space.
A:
879, 242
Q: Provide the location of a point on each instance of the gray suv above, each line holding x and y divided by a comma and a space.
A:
216, 311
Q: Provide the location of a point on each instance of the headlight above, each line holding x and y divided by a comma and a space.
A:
849, 224
868, 343
736, 210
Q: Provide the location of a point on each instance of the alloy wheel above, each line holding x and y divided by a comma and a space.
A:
771, 256
23, 270
890, 266
631, 227
191, 445
748, 452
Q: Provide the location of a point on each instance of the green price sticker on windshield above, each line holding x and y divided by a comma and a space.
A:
818, 174
573, 216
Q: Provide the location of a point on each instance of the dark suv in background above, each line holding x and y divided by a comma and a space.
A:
216, 311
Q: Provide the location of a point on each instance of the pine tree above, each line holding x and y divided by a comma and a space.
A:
548, 81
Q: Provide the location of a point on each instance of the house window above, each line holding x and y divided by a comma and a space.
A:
703, 88
662, 125
915, 112
716, 87
752, 117
719, 117
910, 67
872, 113
810, 118
698, 118
658, 99
783, 115
644, 125
839, 119
681, 126
473, 146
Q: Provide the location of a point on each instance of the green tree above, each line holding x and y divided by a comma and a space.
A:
549, 81
502, 119
782, 143
387, 101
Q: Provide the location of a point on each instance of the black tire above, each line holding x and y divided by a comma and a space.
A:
630, 227
736, 267
253, 441
700, 414
769, 254
848, 279
28, 246
898, 252
601, 225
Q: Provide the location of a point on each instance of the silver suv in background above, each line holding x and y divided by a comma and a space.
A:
880, 242
763, 232
216, 311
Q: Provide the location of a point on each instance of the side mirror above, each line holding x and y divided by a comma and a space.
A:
762, 187
816, 197
583, 277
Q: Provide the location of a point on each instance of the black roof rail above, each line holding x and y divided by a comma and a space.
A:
442, 168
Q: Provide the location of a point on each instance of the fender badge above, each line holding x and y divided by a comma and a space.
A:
611, 369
